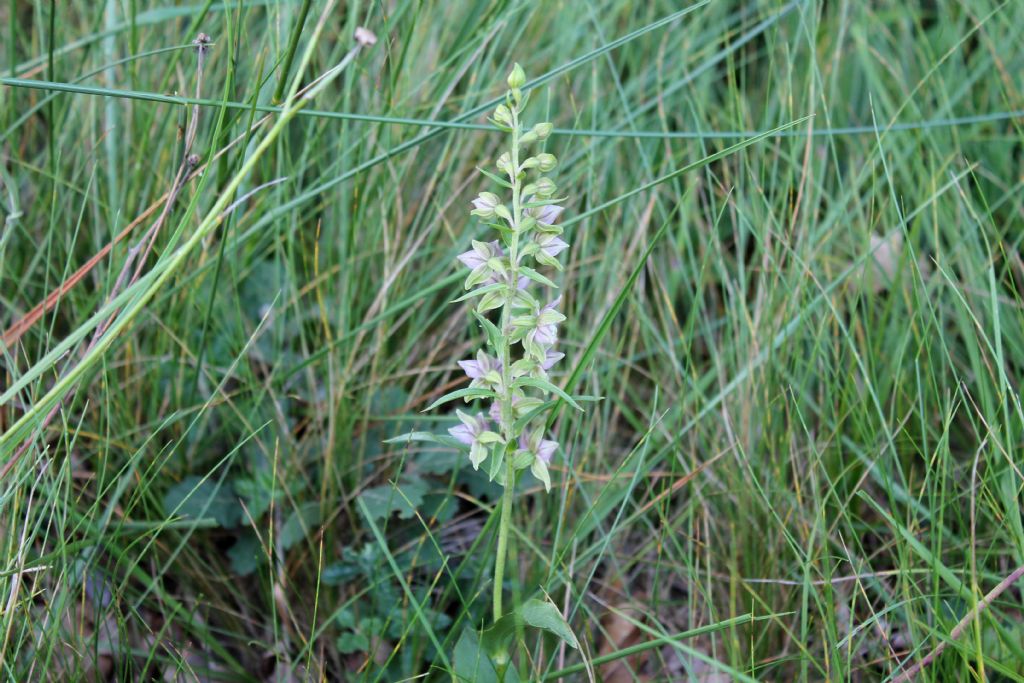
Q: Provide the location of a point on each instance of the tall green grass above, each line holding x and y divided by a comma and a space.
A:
806, 463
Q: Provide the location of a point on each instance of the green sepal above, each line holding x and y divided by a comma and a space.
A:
544, 202
489, 437
543, 258
540, 470
526, 405
527, 223
497, 458
523, 299
522, 367
497, 264
476, 277
477, 454
492, 300
549, 228
550, 317
522, 459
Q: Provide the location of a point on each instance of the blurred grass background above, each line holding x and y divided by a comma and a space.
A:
809, 445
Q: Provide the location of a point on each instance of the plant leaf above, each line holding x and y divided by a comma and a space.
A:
545, 385
468, 394
537, 277
473, 664
382, 501
200, 498
545, 616
428, 437
493, 336
501, 181
301, 521
478, 292
497, 458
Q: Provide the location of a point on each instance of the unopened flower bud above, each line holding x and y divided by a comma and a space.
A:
503, 115
517, 78
504, 163
542, 130
546, 162
528, 138
545, 187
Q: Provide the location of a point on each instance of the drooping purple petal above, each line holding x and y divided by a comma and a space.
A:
478, 255
463, 434
470, 428
472, 369
485, 201
549, 214
545, 334
495, 412
546, 449
471, 259
550, 358
554, 246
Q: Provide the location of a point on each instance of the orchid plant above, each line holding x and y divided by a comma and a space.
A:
504, 276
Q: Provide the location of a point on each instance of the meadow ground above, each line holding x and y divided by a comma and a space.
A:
808, 343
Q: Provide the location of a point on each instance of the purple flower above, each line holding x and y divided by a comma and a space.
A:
552, 245
544, 334
476, 369
545, 331
474, 432
471, 428
550, 358
541, 450
546, 449
538, 446
549, 214
480, 253
485, 203
485, 371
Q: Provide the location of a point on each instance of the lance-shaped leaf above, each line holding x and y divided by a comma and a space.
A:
547, 386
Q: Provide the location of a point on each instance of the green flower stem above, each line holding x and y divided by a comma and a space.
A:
503, 527
506, 375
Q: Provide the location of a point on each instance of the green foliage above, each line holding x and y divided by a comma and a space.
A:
404, 498
198, 498
809, 341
